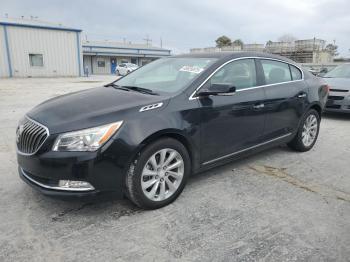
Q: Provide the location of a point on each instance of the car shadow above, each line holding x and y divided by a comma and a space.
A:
111, 206
240, 162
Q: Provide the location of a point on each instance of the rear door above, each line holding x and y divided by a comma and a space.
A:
286, 95
230, 123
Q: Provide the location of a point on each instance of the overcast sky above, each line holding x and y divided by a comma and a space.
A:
183, 24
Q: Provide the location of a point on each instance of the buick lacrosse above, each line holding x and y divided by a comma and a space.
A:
144, 134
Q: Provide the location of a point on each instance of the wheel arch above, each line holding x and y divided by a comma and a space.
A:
177, 135
316, 106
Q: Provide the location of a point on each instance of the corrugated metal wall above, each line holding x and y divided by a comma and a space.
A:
4, 72
59, 50
101, 70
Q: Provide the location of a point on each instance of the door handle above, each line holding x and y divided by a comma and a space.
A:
302, 95
259, 106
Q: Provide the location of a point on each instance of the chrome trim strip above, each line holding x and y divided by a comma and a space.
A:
48, 134
54, 187
193, 97
246, 149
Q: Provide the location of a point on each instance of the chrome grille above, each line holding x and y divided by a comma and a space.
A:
30, 136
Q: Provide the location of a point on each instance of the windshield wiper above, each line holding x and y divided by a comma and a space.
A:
117, 86
140, 89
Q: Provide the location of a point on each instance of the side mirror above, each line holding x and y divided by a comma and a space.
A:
217, 89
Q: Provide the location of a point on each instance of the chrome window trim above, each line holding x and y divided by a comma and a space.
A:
54, 187
246, 149
48, 134
193, 97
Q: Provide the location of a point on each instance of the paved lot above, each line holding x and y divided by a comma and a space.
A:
275, 206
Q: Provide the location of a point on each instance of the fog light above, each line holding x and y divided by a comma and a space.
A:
75, 185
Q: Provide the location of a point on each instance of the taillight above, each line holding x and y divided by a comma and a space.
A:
327, 88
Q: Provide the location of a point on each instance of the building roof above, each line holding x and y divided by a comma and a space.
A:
34, 23
119, 45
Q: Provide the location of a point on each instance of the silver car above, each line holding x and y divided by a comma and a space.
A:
125, 68
339, 96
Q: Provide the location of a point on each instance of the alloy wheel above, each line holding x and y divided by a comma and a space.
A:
162, 174
310, 129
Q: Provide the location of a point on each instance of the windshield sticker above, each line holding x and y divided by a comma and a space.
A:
191, 69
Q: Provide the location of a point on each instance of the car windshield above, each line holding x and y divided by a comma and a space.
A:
167, 74
342, 71
131, 65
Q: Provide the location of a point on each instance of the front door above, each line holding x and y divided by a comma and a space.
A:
113, 65
235, 122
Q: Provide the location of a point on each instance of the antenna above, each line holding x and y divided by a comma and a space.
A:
148, 40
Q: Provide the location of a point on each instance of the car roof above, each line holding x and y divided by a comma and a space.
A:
232, 55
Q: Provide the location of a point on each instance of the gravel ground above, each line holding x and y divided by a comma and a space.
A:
274, 206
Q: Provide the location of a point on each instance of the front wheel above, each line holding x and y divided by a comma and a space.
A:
307, 133
159, 173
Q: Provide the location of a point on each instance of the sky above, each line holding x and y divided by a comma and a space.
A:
185, 24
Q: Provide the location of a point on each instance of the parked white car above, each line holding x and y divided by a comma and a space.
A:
125, 68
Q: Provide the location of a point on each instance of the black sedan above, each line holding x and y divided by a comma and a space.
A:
143, 135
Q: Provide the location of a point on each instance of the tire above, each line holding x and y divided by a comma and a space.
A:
303, 145
161, 186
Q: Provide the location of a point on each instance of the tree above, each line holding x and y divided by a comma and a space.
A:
223, 41
287, 38
269, 43
238, 42
332, 49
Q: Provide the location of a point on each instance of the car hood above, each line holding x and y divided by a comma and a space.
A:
89, 108
338, 83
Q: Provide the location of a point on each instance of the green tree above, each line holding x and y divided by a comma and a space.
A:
332, 49
238, 42
223, 41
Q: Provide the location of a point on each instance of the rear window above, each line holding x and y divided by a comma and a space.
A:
275, 72
296, 73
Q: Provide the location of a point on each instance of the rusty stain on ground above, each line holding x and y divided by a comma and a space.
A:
281, 173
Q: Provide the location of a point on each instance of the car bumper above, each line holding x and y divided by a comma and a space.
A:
51, 190
338, 103
43, 172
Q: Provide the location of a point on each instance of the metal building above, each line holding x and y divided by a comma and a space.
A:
102, 57
301, 51
30, 48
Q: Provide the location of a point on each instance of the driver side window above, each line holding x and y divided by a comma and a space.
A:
240, 74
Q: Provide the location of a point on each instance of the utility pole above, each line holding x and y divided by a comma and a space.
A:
148, 40
161, 43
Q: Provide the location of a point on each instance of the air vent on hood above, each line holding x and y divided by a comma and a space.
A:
150, 107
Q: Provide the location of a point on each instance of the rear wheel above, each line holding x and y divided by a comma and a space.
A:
159, 174
307, 133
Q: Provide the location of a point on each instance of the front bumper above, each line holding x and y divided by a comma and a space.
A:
338, 102
50, 189
44, 170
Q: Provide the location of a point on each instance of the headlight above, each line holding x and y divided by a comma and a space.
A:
89, 139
